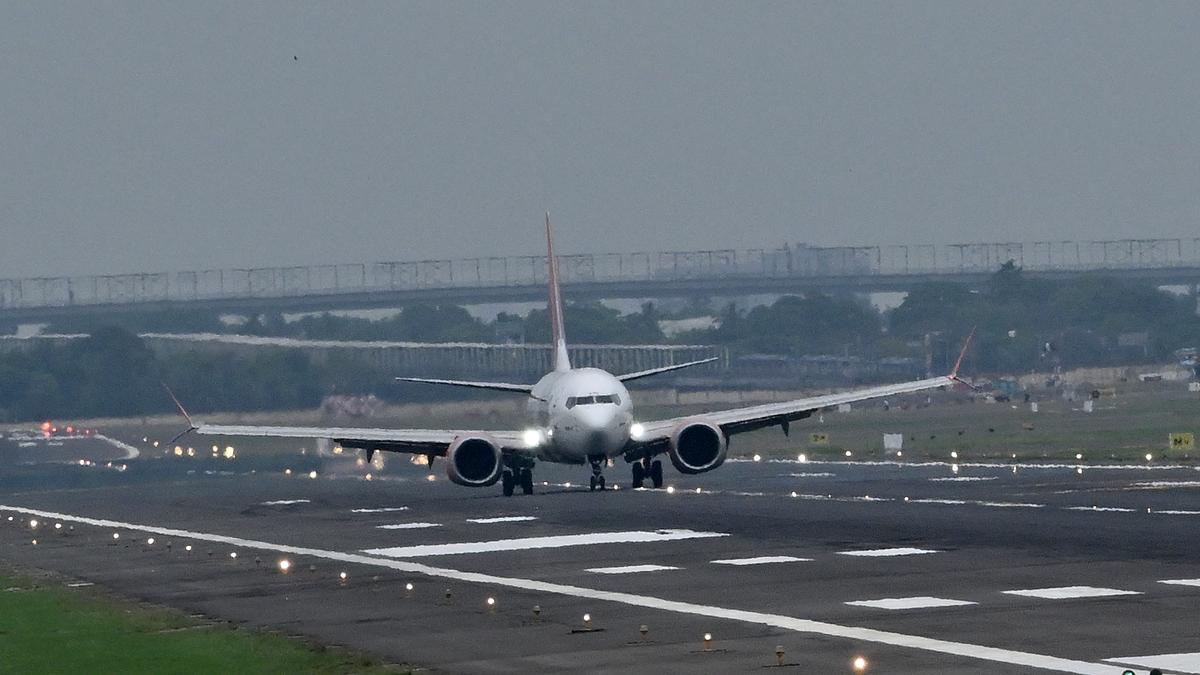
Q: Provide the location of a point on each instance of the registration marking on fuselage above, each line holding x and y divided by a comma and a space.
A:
630, 569
528, 543
917, 602
887, 552
761, 560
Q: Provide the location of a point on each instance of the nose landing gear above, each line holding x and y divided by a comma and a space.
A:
597, 479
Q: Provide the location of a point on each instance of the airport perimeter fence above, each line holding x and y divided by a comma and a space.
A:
798, 261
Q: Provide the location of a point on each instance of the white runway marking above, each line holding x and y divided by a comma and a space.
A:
962, 479
386, 509
527, 543
761, 560
1181, 582
946, 502
1012, 505
819, 474
1167, 484
918, 602
1110, 509
1178, 663
501, 519
285, 502
887, 552
407, 526
982, 652
1068, 592
630, 569
1176, 512
130, 451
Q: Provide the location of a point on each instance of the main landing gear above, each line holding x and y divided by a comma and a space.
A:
517, 477
597, 479
646, 469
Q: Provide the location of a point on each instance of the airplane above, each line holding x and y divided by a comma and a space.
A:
578, 416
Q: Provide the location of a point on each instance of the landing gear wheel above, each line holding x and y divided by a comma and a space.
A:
639, 475
526, 481
506, 482
592, 486
656, 474
599, 482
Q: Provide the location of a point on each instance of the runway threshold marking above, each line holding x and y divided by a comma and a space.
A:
1069, 592
799, 625
528, 543
916, 602
761, 560
630, 569
887, 552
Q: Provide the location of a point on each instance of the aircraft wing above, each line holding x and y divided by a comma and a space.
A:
738, 420
418, 441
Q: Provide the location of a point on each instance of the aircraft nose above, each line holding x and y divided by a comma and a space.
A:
595, 418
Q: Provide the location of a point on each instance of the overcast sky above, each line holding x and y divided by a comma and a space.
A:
156, 135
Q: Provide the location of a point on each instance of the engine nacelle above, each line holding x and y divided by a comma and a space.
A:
474, 461
697, 447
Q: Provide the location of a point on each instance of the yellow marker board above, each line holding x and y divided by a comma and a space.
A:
818, 439
1186, 441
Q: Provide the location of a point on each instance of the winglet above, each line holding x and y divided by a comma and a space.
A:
962, 355
182, 411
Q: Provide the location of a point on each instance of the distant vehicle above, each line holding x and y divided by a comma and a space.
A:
578, 416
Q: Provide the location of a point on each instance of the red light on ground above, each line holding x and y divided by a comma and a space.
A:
46, 426
70, 430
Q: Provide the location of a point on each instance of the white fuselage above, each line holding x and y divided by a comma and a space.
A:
582, 413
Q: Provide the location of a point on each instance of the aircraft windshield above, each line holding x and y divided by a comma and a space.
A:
590, 400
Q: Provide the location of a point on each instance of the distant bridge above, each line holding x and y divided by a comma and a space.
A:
730, 272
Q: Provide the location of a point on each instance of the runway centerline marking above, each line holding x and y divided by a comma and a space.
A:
1069, 592
916, 602
630, 569
799, 625
501, 519
1181, 582
528, 543
285, 502
386, 509
761, 560
887, 552
407, 526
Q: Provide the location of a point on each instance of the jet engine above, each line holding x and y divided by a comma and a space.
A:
474, 461
697, 447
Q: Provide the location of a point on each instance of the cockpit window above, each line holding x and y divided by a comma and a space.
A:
589, 400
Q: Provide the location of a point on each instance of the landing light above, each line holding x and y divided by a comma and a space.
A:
758, 458
637, 430
532, 438
670, 489
431, 478
802, 458
188, 548
342, 576
230, 453
954, 454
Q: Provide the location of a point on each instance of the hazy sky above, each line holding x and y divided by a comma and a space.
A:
160, 135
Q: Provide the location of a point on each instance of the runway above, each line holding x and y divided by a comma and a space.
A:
917, 568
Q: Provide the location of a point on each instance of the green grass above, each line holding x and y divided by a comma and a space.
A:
48, 628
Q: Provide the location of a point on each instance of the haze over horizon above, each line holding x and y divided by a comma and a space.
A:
147, 136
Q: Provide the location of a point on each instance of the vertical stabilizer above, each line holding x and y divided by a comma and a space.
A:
557, 336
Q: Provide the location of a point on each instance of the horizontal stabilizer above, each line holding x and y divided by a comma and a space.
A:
495, 386
665, 369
